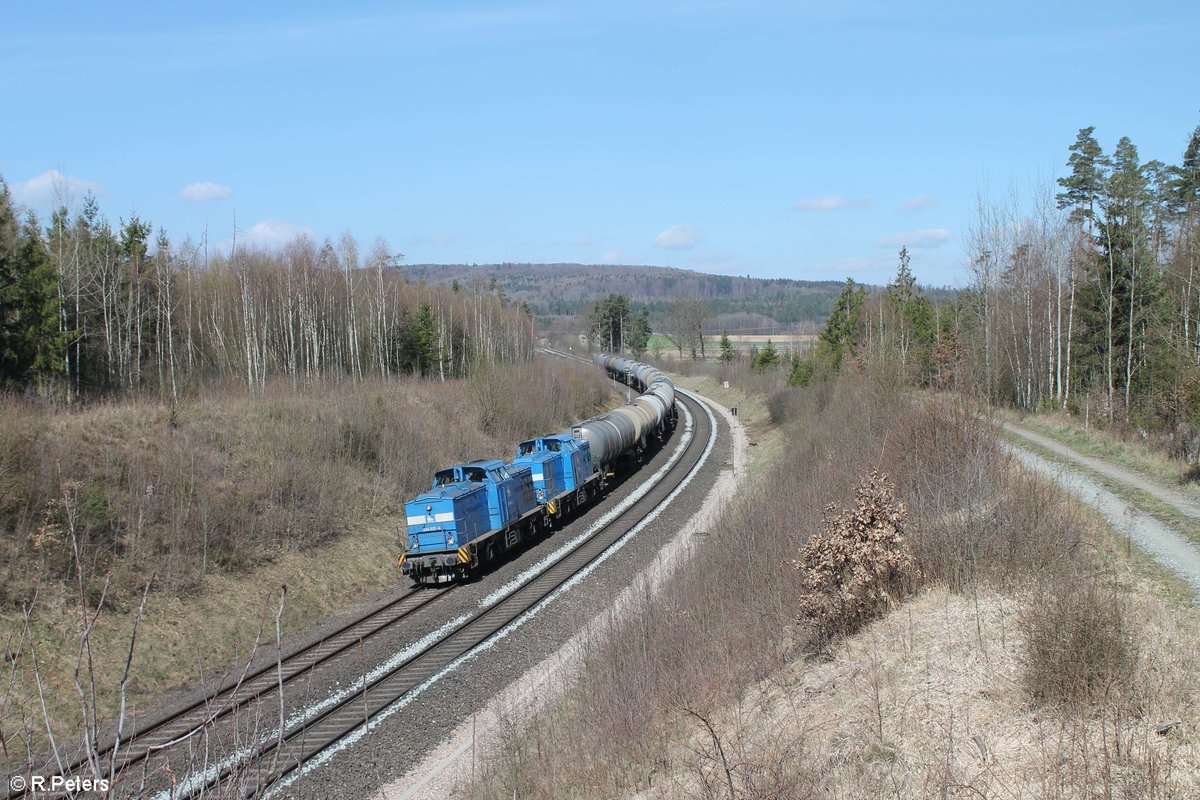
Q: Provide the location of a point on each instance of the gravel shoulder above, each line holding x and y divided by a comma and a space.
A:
406, 738
449, 767
1171, 547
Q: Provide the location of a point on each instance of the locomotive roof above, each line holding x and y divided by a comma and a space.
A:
449, 491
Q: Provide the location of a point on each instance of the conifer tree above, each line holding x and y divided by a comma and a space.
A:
842, 327
637, 333
727, 352
767, 358
1083, 188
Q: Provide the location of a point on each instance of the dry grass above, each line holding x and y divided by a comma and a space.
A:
922, 704
223, 500
710, 689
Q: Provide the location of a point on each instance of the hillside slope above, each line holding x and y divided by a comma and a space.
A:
555, 290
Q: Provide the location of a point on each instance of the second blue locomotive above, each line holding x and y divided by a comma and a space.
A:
476, 512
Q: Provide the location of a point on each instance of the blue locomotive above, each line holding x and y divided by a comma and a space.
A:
478, 511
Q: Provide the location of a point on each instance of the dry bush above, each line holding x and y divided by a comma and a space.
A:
858, 564
727, 618
1080, 644
227, 481
975, 517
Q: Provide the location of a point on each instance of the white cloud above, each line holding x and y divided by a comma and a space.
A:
924, 239
919, 202
830, 203
205, 191
679, 237
271, 233
52, 188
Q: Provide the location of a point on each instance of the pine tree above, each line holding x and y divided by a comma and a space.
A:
767, 358
727, 351
1083, 188
607, 322
11, 337
637, 333
40, 309
1185, 183
842, 328
30, 342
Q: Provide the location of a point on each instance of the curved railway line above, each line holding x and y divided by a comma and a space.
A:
279, 757
158, 734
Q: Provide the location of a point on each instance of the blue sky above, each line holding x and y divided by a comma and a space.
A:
775, 139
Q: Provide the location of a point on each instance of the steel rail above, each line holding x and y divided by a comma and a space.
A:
279, 756
179, 724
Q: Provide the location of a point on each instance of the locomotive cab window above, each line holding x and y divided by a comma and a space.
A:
443, 477
475, 474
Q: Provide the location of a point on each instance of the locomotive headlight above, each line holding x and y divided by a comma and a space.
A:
428, 509
449, 540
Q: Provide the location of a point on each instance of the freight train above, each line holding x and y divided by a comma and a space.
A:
478, 511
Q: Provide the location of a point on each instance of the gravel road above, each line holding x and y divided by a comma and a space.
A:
1185, 505
1167, 545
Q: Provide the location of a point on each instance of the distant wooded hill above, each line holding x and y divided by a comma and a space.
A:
558, 290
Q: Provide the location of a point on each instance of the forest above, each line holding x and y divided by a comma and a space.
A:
89, 310
1082, 297
566, 290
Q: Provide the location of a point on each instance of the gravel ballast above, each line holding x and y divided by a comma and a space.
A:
413, 734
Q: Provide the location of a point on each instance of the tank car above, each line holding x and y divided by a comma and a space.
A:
477, 511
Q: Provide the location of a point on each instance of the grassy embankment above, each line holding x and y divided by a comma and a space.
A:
1031, 658
219, 503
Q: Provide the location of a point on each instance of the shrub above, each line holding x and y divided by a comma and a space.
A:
859, 564
1080, 648
973, 516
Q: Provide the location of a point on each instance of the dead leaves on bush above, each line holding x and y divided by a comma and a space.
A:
859, 562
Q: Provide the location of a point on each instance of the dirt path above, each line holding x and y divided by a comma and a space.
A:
1163, 542
1187, 506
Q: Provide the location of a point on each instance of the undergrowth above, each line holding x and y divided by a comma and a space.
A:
652, 709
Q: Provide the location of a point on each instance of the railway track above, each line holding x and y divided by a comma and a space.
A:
252, 771
278, 759
176, 727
